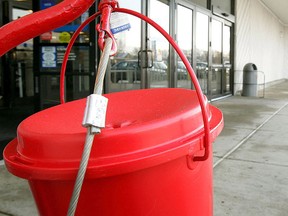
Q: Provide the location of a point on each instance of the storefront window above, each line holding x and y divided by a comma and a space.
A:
184, 27
202, 48
63, 34
217, 67
226, 44
52, 59
125, 72
216, 42
227, 58
23, 62
158, 74
51, 50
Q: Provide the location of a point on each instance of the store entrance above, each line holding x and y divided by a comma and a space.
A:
16, 73
204, 38
16, 76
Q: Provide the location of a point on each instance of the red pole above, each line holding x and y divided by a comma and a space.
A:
32, 25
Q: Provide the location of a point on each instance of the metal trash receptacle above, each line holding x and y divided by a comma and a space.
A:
250, 87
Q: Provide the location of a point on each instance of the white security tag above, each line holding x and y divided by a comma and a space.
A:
119, 22
95, 111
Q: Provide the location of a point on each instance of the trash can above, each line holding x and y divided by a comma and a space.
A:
250, 80
140, 164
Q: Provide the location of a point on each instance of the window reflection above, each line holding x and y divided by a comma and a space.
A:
184, 25
77, 82
159, 12
63, 34
221, 52
22, 63
226, 57
125, 73
216, 42
226, 45
216, 81
224, 5
202, 25
216, 74
128, 42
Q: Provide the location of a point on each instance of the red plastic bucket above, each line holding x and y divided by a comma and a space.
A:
140, 164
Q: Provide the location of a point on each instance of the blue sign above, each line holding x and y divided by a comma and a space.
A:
121, 28
44, 4
69, 28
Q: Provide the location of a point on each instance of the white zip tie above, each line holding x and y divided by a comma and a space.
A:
95, 112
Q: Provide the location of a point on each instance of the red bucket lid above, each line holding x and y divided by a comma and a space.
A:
143, 128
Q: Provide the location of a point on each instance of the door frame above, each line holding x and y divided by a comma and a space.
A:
222, 65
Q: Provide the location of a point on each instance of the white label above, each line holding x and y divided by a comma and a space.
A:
48, 57
119, 22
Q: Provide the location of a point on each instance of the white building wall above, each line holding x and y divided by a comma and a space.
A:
260, 38
286, 52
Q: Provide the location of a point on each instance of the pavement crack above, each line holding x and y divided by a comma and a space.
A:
257, 162
248, 137
6, 214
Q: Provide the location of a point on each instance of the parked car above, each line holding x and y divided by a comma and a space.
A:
128, 71
181, 71
159, 66
125, 71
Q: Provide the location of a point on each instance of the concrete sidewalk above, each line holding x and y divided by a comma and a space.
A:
250, 160
251, 155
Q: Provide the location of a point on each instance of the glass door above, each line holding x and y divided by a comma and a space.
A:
215, 76
23, 67
16, 67
158, 74
185, 41
202, 50
227, 64
50, 48
220, 76
206, 42
125, 71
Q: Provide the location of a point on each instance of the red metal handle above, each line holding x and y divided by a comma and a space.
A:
191, 73
181, 55
30, 26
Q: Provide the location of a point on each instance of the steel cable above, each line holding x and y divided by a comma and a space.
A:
90, 135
